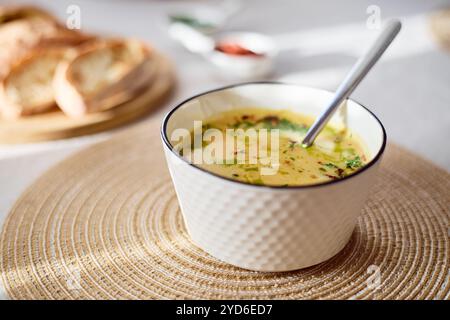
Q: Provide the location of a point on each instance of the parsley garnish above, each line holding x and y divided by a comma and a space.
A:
353, 163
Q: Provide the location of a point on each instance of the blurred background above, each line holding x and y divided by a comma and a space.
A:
318, 41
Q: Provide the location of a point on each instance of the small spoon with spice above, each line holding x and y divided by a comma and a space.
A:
356, 74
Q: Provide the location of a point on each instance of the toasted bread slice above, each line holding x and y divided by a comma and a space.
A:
103, 75
27, 88
18, 37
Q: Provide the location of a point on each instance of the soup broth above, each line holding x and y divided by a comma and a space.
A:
335, 154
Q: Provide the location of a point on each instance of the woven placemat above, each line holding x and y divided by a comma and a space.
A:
105, 224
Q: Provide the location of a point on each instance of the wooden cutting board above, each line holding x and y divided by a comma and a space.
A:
56, 125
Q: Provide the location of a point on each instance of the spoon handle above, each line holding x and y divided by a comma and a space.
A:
354, 77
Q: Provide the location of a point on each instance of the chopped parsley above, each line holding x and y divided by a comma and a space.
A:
353, 163
190, 21
291, 126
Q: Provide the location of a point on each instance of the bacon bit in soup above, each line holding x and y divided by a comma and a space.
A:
340, 172
236, 49
272, 120
292, 144
248, 117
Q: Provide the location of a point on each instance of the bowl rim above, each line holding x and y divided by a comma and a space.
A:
167, 143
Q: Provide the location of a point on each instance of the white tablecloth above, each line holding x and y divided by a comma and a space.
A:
409, 89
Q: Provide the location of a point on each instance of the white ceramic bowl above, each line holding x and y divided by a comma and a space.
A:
270, 228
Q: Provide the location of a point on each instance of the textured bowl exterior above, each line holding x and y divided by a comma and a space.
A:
268, 229
265, 228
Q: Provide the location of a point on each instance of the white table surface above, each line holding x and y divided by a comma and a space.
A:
409, 89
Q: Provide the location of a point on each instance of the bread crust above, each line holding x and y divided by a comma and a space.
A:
16, 12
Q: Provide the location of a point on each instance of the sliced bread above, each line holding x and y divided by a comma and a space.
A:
19, 37
103, 75
27, 88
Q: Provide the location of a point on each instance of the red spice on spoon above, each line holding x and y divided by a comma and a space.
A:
237, 49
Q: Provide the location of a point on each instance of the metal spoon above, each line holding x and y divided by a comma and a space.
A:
356, 74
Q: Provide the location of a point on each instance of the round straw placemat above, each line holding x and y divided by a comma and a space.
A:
105, 224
